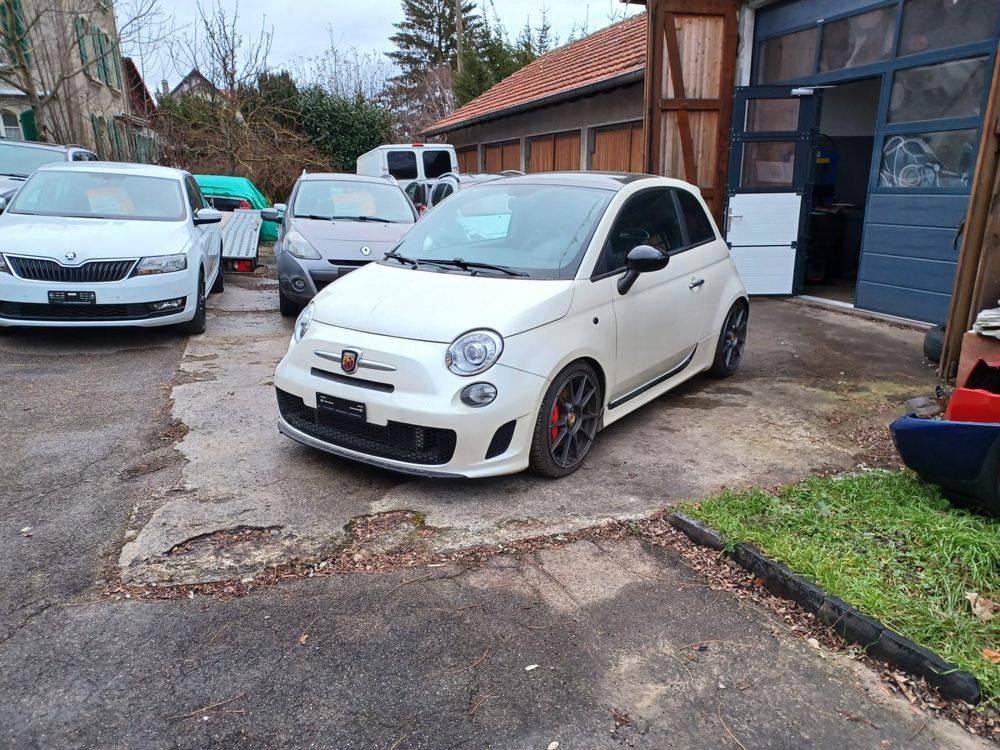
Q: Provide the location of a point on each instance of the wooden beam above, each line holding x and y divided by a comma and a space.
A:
968, 293
691, 104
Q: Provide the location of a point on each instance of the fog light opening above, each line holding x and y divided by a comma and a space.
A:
478, 394
298, 285
167, 304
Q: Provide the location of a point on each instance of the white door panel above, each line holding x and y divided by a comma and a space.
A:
765, 270
764, 218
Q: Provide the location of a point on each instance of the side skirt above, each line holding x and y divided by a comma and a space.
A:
654, 382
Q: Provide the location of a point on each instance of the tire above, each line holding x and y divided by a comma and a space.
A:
934, 343
289, 308
732, 341
220, 281
196, 326
567, 422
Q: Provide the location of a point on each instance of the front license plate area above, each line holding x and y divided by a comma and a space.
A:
341, 406
72, 298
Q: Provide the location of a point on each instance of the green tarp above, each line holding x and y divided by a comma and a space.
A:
238, 187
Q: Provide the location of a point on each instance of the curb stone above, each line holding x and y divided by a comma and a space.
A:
853, 626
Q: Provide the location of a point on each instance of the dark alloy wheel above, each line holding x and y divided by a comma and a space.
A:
196, 326
567, 422
732, 341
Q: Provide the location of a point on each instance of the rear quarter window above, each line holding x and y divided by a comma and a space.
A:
698, 225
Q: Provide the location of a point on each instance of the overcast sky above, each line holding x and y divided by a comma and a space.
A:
302, 29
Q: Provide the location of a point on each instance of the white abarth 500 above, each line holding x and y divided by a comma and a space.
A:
107, 244
512, 323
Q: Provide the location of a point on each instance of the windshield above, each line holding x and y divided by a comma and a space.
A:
350, 199
20, 161
540, 231
100, 195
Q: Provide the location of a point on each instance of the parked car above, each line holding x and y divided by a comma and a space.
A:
333, 224
409, 161
95, 243
513, 322
452, 182
18, 159
235, 193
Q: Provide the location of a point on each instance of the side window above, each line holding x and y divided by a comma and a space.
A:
79, 156
402, 164
699, 227
193, 195
649, 218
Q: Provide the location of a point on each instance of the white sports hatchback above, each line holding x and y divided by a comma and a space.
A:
92, 243
513, 322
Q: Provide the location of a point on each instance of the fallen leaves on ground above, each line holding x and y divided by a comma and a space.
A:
991, 655
983, 608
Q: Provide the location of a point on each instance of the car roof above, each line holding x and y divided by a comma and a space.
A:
36, 145
606, 180
115, 167
344, 176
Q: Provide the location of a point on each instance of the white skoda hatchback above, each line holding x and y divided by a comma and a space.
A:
108, 244
513, 322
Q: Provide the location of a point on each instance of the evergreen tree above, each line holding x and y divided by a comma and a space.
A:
427, 37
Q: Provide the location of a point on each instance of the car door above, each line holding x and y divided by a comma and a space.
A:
658, 320
207, 236
707, 256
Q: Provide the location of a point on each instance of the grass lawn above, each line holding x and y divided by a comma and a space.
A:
886, 543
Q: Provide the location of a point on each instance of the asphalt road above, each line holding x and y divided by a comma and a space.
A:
418, 658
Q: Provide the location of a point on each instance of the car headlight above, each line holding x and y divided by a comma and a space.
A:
3, 265
474, 352
302, 322
297, 246
161, 264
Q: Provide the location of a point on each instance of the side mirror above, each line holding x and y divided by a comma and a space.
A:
280, 207
3, 204
641, 259
270, 214
207, 216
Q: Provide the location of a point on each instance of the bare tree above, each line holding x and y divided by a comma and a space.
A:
427, 101
145, 33
347, 72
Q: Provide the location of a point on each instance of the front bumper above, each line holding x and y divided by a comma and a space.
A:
301, 280
117, 304
415, 421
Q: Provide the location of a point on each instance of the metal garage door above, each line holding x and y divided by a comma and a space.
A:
553, 153
619, 148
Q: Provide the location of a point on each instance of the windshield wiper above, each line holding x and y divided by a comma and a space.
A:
365, 218
402, 258
316, 217
470, 265
19, 175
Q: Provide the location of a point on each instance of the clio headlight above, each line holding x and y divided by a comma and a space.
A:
302, 322
474, 352
297, 246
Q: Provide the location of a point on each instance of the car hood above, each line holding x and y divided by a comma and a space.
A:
9, 186
343, 240
430, 306
53, 236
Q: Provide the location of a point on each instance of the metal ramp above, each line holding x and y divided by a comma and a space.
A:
240, 236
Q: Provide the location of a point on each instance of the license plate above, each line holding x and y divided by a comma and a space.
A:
341, 406
72, 298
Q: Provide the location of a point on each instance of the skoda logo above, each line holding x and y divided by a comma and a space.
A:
70, 255
366, 250
349, 360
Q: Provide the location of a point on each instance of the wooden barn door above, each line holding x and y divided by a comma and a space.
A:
691, 68
559, 152
468, 159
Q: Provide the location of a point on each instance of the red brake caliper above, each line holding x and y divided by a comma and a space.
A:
554, 431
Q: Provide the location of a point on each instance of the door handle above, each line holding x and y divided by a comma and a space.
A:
695, 283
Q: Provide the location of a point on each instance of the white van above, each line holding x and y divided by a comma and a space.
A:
409, 161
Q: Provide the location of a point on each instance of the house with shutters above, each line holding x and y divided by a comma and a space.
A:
835, 141
61, 76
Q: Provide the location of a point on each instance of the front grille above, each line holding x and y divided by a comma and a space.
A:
397, 441
41, 311
91, 272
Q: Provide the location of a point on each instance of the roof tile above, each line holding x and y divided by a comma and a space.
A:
611, 52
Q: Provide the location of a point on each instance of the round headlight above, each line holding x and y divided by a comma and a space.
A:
474, 352
302, 322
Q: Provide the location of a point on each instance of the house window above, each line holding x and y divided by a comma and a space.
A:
936, 24
11, 125
930, 92
788, 56
928, 160
858, 40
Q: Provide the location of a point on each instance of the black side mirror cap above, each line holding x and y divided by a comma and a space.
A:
641, 259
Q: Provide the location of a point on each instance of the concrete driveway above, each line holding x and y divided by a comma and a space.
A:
814, 396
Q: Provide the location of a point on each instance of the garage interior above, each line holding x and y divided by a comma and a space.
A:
842, 169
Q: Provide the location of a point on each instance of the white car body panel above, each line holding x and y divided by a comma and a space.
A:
664, 331
92, 239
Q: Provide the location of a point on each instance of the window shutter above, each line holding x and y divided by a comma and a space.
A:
81, 37
28, 128
116, 63
98, 44
95, 122
19, 31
